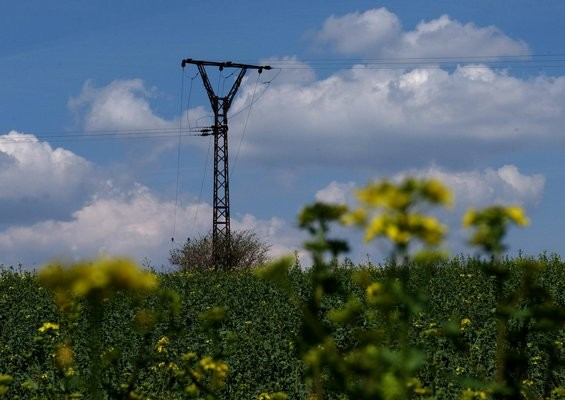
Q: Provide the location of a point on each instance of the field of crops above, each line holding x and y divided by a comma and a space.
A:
259, 334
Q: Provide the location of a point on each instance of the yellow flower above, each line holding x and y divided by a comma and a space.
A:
221, 369
373, 291
145, 319
188, 356
469, 218
464, 323
469, 394
517, 215
375, 228
397, 235
48, 326
527, 383
64, 356
355, 217
388, 210
192, 390
101, 277
161, 344
437, 192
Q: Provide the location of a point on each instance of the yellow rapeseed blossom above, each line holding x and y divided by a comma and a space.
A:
528, 383
162, 344
469, 217
375, 228
389, 210
101, 277
355, 217
437, 192
273, 396
373, 291
192, 390
469, 394
517, 215
64, 356
397, 235
465, 322
5, 380
48, 326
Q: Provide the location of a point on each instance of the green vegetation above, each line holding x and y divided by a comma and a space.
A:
423, 326
259, 336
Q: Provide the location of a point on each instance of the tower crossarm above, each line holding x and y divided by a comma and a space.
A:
224, 64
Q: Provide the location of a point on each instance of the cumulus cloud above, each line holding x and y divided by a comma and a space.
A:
283, 238
336, 193
39, 181
378, 33
475, 188
59, 206
134, 224
397, 119
505, 185
120, 105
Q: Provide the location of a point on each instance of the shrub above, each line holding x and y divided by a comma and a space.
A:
247, 251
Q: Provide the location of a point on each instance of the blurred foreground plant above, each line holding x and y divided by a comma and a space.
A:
520, 312
377, 361
85, 289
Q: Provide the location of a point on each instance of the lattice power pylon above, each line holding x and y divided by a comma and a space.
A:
221, 235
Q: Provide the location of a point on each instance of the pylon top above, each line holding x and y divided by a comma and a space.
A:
225, 64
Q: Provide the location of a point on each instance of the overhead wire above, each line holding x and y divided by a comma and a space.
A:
232, 168
206, 163
523, 61
111, 134
178, 162
177, 188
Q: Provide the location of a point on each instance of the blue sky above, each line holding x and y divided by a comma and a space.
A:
92, 100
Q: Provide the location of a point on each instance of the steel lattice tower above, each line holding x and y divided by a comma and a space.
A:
221, 235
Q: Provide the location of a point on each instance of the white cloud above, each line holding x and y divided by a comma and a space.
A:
396, 119
336, 193
120, 105
505, 185
135, 224
361, 33
283, 238
378, 33
41, 182
57, 207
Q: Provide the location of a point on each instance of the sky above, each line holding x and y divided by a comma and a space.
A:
99, 152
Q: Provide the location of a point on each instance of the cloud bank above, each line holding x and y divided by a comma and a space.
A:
378, 33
